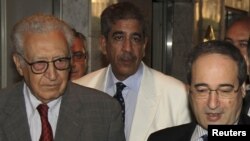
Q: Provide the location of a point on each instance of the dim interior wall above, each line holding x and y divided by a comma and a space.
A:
16, 10
182, 37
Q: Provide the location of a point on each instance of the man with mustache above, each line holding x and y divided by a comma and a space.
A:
216, 75
150, 100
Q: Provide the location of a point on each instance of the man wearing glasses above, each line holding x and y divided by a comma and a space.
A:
216, 73
79, 56
46, 106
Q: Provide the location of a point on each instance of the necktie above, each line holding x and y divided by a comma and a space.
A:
118, 95
46, 134
204, 137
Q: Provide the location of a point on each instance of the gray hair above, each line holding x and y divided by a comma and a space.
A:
38, 23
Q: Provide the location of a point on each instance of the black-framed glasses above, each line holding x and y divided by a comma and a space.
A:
39, 67
225, 91
78, 56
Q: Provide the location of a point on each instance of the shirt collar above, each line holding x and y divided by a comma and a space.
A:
132, 82
198, 132
34, 102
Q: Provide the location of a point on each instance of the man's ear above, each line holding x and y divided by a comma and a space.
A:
243, 90
145, 45
103, 44
18, 64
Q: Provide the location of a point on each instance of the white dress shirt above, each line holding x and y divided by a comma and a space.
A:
198, 133
34, 120
129, 93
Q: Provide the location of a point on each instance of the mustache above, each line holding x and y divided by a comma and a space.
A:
127, 56
214, 111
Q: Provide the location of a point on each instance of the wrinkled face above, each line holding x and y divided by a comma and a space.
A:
79, 59
124, 47
215, 72
48, 46
239, 35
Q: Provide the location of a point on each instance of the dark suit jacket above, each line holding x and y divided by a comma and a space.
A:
246, 106
178, 133
85, 115
184, 132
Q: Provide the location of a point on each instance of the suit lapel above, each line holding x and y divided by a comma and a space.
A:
16, 125
102, 82
244, 118
145, 108
68, 128
189, 130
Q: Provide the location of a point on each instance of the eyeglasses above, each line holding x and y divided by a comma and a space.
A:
39, 67
226, 91
78, 56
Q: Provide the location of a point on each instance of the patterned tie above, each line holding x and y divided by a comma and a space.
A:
46, 134
204, 137
118, 95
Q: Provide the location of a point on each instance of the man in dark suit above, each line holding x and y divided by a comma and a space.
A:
216, 74
46, 104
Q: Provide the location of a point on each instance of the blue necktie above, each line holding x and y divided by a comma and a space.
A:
118, 95
204, 137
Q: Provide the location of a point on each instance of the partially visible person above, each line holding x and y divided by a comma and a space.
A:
216, 73
46, 106
150, 100
79, 56
247, 98
238, 34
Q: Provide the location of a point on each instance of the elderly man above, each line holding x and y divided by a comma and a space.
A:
216, 75
46, 106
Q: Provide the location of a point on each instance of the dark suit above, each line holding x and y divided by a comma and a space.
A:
178, 133
85, 115
246, 105
184, 132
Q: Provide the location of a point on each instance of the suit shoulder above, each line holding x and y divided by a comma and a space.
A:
165, 79
94, 98
161, 79
90, 77
87, 92
172, 133
8, 92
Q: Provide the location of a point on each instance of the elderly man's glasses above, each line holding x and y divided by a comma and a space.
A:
224, 91
39, 67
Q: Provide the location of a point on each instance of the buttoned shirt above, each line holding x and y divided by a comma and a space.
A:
198, 133
34, 120
129, 93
